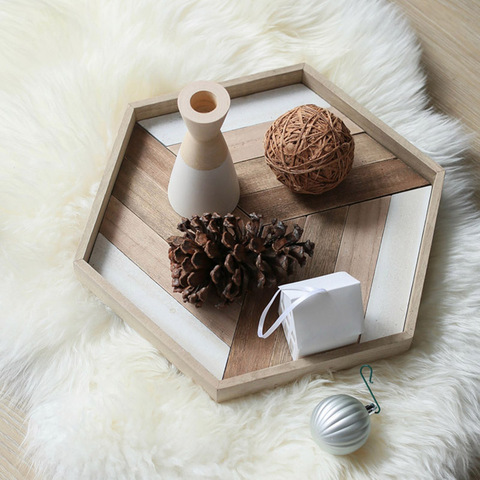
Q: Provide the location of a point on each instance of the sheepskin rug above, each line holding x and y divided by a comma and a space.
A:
102, 402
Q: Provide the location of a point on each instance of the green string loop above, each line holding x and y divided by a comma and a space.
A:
369, 389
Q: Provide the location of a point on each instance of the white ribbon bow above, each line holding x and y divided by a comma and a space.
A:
309, 291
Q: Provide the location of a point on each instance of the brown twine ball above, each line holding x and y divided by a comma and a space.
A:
309, 149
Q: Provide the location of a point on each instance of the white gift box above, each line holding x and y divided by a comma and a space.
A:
319, 314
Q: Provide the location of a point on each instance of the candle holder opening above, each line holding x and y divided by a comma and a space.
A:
203, 101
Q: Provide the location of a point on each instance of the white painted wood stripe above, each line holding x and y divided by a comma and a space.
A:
176, 321
244, 111
396, 264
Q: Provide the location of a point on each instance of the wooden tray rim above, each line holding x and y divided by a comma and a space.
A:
221, 390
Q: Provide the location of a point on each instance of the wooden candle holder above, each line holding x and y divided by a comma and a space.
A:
203, 178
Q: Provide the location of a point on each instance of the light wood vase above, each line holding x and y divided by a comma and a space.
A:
203, 178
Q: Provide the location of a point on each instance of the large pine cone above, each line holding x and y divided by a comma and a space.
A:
227, 256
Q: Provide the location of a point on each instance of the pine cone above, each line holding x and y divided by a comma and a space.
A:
226, 256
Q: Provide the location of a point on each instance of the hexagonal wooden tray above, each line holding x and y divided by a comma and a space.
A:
377, 225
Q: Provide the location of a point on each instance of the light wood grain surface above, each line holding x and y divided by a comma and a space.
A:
13, 465
449, 34
361, 241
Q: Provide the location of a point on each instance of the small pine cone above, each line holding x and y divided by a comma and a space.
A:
227, 256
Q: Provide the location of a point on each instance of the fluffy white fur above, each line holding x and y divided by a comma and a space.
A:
102, 402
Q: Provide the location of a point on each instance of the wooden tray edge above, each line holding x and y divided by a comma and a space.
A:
221, 390
106, 185
372, 125
337, 359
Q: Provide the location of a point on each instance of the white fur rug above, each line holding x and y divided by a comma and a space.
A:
103, 404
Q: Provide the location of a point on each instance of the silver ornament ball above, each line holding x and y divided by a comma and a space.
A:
340, 424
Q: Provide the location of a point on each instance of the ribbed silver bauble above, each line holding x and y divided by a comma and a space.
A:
340, 424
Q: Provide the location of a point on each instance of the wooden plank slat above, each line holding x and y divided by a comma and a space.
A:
246, 143
325, 230
256, 176
150, 252
248, 352
243, 143
144, 197
148, 154
361, 242
363, 183
368, 150
396, 264
142, 182
281, 351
